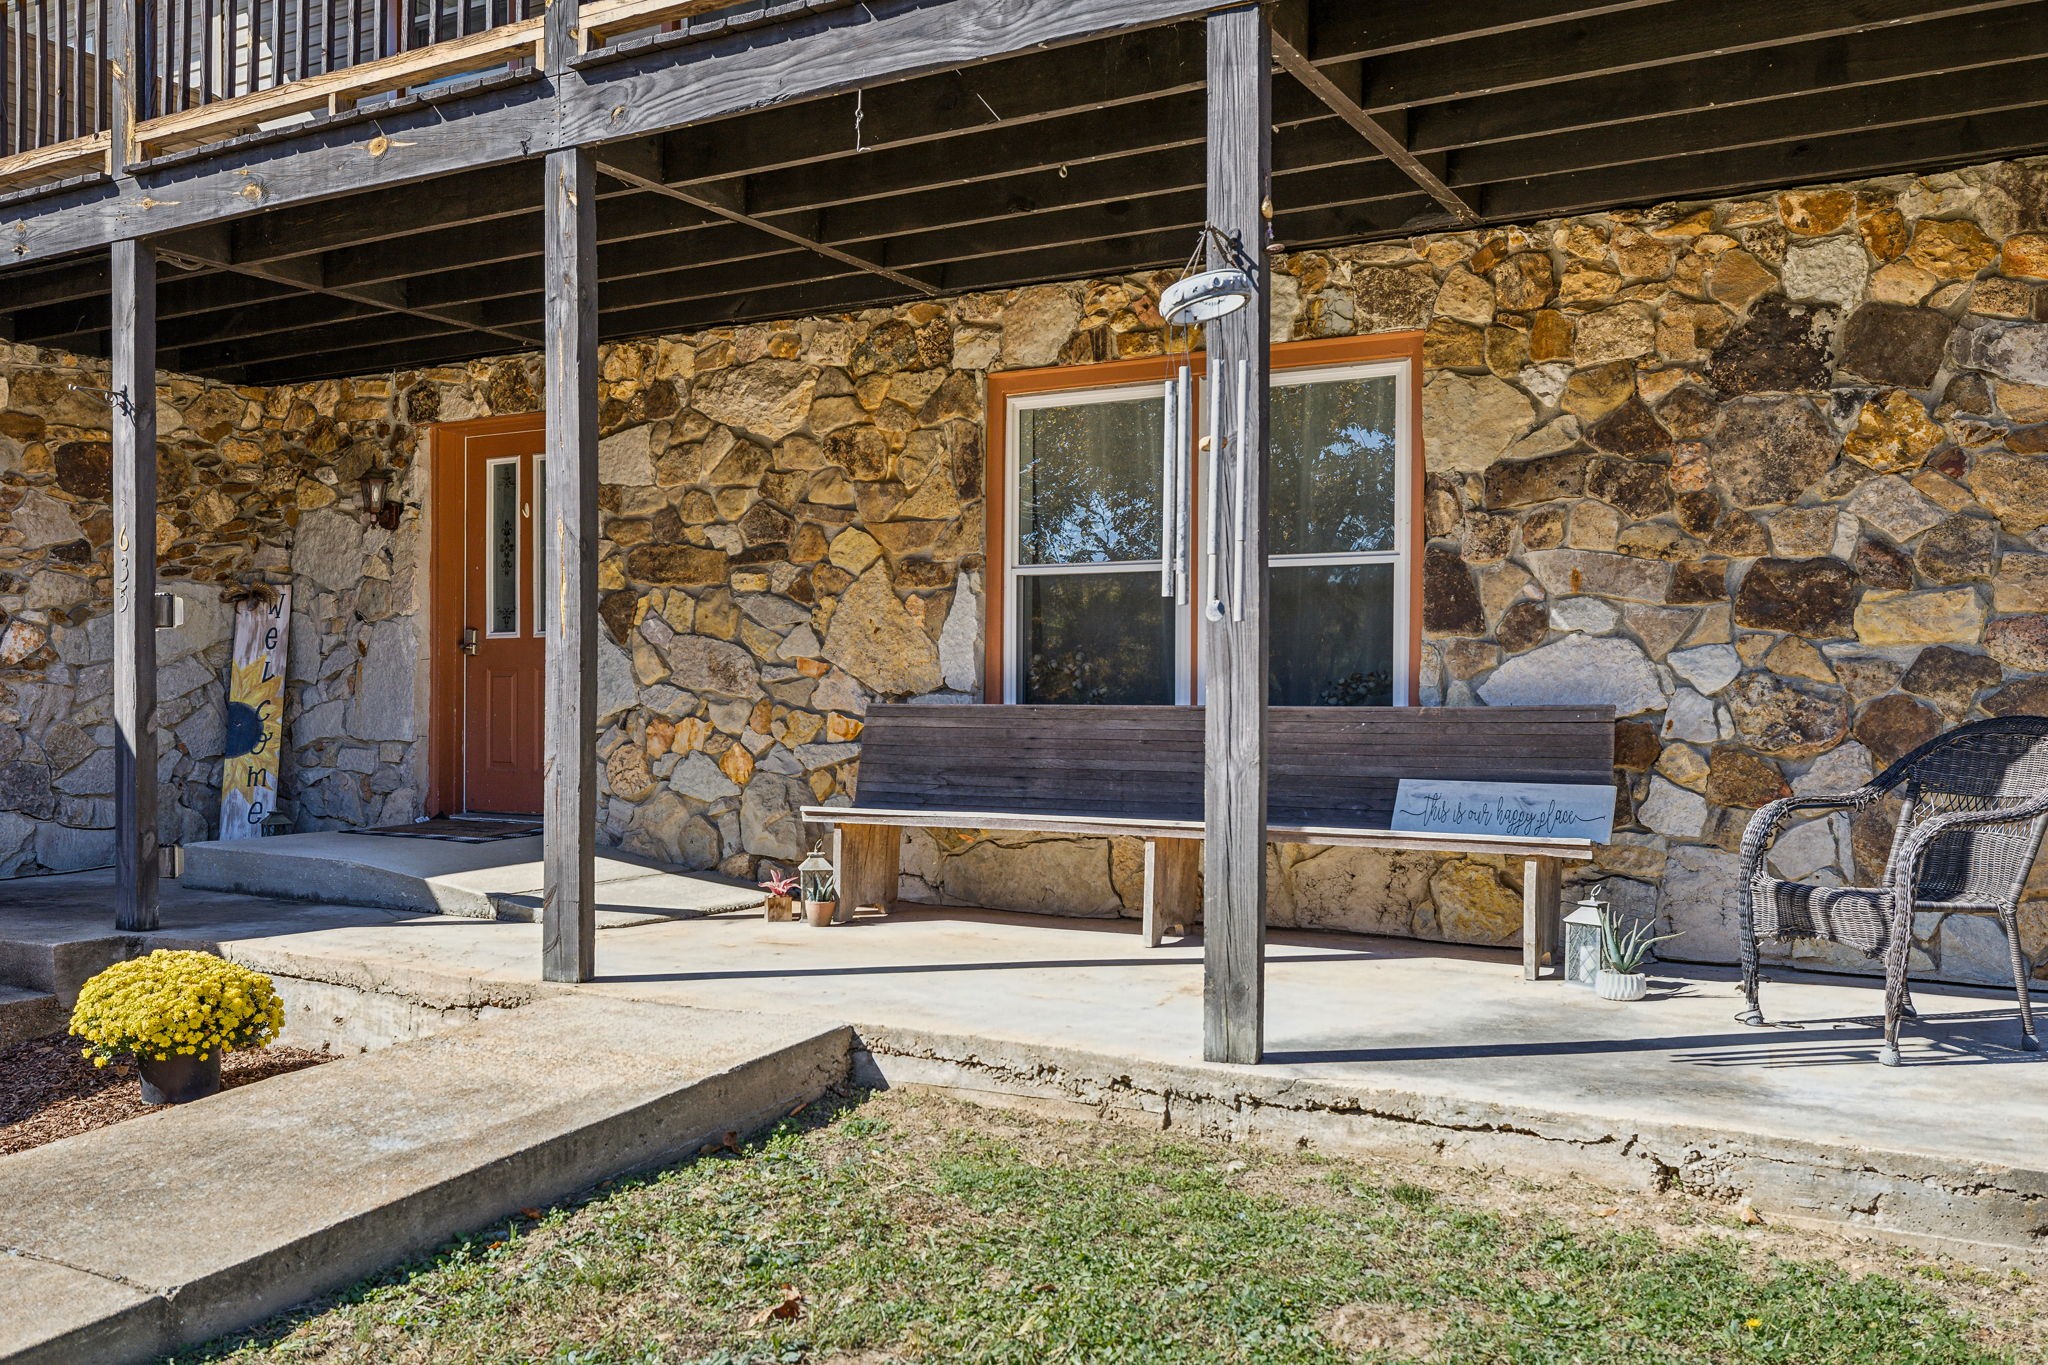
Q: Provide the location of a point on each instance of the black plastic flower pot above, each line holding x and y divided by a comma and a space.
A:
179, 1080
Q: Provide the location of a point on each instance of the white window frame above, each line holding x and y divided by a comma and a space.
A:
491, 603
538, 615
1404, 501
1013, 620
1188, 687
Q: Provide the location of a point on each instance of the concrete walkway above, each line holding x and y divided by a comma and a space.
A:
501, 879
169, 1229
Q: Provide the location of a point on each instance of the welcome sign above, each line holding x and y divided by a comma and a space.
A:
1522, 810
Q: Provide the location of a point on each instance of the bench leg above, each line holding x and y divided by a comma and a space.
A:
1542, 888
867, 861
1170, 867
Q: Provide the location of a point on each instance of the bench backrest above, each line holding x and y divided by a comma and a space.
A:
1334, 766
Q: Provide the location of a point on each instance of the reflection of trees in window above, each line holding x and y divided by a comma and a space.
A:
1332, 474
1100, 639
1088, 480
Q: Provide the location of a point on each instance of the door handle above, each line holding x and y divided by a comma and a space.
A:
469, 640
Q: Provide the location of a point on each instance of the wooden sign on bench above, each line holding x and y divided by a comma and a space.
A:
1518, 810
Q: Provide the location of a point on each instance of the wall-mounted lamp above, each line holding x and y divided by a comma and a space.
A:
169, 611
379, 507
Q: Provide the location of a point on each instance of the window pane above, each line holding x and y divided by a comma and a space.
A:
1100, 638
1088, 482
1333, 635
1332, 473
504, 547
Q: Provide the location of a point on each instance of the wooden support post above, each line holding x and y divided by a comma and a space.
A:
1542, 889
126, 80
132, 422
1170, 867
569, 900
1234, 886
867, 862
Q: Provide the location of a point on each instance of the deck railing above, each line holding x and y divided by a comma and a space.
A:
55, 85
206, 51
207, 71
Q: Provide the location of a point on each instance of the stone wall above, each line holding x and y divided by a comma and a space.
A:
1763, 473
220, 509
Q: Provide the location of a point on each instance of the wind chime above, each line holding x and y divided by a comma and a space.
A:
1195, 299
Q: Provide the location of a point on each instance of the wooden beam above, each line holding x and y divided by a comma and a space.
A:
1171, 866
569, 838
1949, 44
1296, 63
875, 43
307, 276
133, 427
713, 200
1542, 890
1234, 638
1633, 40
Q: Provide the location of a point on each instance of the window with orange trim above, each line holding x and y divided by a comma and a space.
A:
1076, 612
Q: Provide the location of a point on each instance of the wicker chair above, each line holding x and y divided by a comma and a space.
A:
1975, 802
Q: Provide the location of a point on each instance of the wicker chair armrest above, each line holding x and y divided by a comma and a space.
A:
1924, 834
1771, 817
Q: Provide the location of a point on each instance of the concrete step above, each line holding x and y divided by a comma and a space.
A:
498, 880
307, 1182
29, 1014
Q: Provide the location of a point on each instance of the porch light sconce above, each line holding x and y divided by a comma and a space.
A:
379, 508
168, 611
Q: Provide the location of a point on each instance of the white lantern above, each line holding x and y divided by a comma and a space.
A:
1582, 939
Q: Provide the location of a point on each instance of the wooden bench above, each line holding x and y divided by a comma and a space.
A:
1137, 771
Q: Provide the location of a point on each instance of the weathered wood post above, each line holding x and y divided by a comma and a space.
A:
1234, 869
569, 694
132, 423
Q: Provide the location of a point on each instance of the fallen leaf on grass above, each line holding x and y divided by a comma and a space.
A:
1744, 1213
531, 1215
1605, 1211
791, 1306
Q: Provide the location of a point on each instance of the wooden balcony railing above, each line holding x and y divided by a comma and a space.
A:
56, 88
211, 70
222, 67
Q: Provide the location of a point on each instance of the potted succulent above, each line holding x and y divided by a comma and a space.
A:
176, 1013
1622, 954
820, 888
780, 907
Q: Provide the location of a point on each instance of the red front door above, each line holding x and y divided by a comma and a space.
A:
501, 640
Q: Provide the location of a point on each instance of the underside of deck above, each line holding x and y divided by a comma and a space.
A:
877, 160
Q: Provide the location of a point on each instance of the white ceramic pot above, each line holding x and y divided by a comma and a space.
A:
1621, 985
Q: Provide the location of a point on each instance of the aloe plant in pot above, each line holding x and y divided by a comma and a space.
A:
1623, 950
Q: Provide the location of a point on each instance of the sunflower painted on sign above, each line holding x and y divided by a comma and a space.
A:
255, 723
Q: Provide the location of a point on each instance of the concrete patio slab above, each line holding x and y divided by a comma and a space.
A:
1372, 1044
128, 1241
499, 879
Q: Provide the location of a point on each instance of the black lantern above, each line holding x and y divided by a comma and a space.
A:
379, 507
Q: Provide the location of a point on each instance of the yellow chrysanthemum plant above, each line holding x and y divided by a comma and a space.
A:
175, 1004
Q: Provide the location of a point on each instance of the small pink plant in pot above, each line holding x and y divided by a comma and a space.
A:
780, 907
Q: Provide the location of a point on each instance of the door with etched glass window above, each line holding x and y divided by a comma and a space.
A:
502, 612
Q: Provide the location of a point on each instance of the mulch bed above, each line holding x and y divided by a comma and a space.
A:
48, 1091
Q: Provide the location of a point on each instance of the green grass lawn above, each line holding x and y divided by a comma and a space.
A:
916, 1228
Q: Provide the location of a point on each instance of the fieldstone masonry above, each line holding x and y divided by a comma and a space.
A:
1766, 474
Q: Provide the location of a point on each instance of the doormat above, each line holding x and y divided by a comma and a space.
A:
455, 831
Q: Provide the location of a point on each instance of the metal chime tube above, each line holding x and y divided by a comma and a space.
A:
1169, 478
1183, 565
1212, 579
1244, 458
